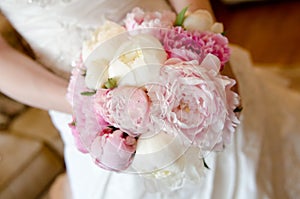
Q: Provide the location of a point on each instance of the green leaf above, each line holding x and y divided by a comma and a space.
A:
73, 123
180, 17
88, 93
111, 83
205, 165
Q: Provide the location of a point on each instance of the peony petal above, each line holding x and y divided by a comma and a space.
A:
211, 62
138, 60
105, 32
112, 152
117, 69
96, 74
141, 76
158, 151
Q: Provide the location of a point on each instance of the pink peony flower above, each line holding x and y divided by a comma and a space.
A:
76, 135
87, 124
113, 150
188, 46
91, 131
198, 100
84, 126
216, 44
77, 71
126, 108
138, 19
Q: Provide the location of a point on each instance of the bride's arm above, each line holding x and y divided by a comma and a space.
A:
193, 5
26, 81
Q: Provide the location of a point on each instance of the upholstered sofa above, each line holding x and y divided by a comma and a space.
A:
31, 156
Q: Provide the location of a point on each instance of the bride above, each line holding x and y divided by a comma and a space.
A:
262, 161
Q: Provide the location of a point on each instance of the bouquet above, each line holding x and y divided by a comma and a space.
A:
148, 97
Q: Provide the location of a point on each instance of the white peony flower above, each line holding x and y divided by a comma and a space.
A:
138, 60
164, 161
188, 169
156, 151
133, 60
96, 57
96, 74
107, 31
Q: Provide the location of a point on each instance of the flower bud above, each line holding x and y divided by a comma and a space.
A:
217, 27
200, 20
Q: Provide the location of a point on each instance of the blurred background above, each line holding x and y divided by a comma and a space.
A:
31, 151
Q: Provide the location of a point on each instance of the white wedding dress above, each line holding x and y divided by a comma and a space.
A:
263, 160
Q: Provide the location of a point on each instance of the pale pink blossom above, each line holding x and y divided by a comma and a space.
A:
77, 139
198, 100
90, 130
126, 108
188, 46
113, 150
138, 19
77, 71
84, 132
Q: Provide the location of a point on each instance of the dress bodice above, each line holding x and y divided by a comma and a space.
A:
56, 29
